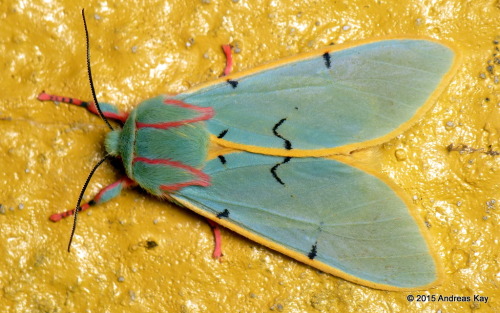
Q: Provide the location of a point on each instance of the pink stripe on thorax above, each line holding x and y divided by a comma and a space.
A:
206, 113
203, 179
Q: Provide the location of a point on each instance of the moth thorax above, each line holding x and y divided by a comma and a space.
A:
111, 142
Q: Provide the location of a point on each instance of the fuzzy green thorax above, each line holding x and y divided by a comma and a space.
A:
163, 145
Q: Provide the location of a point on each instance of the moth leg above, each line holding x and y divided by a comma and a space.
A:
104, 195
108, 110
217, 239
229, 59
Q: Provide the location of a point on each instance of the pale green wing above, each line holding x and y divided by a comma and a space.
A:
322, 212
328, 98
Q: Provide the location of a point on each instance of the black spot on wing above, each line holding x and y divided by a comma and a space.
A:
314, 251
274, 168
224, 213
223, 133
222, 159
233, 83
288, 144
327, 59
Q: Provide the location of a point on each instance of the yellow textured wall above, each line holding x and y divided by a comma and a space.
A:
144, 48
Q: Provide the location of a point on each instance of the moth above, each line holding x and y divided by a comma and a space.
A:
258, 152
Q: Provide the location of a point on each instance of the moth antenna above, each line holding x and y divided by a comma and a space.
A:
78, 208
89, 71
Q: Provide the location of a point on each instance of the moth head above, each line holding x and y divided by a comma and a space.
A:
112, 142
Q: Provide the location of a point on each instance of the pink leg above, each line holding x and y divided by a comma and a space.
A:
109, 110
217, 239
229, 60
104, 195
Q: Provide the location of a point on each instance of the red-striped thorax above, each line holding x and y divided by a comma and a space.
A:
163, 145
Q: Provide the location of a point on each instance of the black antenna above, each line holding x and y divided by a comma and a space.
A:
90, 72
78, 208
